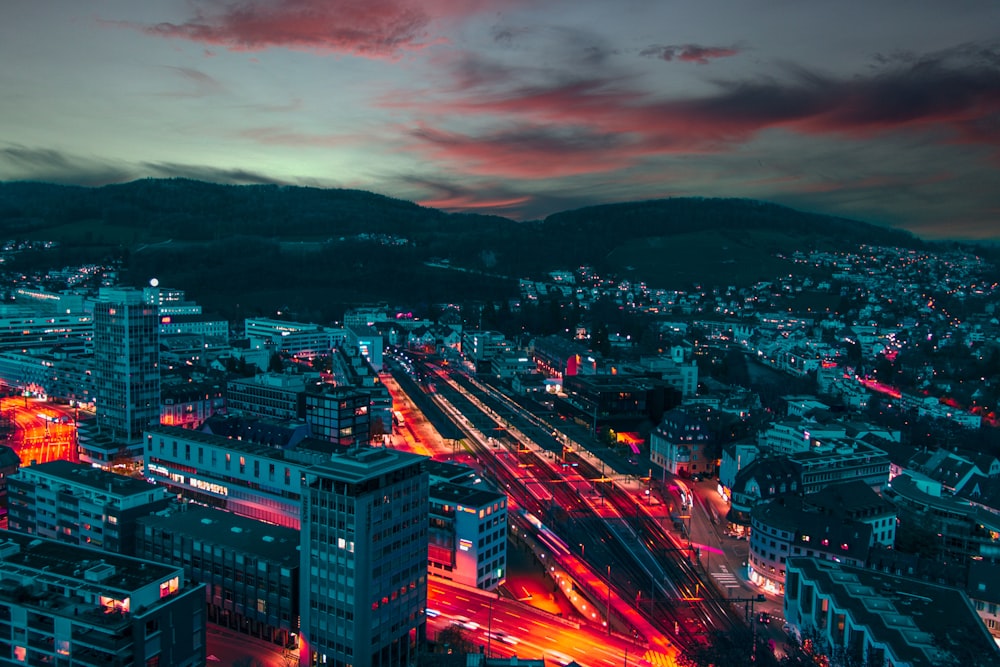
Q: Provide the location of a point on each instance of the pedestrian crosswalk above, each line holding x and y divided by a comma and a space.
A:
658, 659
725, 578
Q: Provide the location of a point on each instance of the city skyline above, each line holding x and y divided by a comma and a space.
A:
886, 114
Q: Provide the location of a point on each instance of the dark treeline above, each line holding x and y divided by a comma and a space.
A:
268, 246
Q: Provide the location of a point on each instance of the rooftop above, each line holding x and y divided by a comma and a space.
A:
358, 464
94, 478
465, 495
215, 526
923, 623
455, 473
28, 553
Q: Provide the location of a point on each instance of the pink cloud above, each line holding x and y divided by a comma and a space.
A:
603, 124
691, 53
470, 202
370, 28
524, 153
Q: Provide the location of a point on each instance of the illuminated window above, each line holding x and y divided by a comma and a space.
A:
111, 604
169, 586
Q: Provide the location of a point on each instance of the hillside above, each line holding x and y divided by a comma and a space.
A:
316, 250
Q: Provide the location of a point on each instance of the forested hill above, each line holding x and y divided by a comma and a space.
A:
661, 217
287, 243
185, 210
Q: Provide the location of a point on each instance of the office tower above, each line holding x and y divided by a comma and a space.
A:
364, 558
126, 360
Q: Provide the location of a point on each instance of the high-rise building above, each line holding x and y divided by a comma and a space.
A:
126, 360
364, 558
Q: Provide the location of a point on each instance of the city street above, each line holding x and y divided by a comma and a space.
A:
39, 431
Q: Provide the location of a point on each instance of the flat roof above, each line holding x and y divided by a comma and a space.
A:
94, 478
216, 441
358, 464
216, 526
69, 561
445, 471
466, 495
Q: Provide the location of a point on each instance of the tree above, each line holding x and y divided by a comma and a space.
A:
733, 648
453, 639
322, 363
376, 430
275, 364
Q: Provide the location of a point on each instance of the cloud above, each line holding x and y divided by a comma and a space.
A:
201, 172
690, 53
203, 84
280, 136
486, 197
468, 201
524, 152
19, 162
371, 29
602, 124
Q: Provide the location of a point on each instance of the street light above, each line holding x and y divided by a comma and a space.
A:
489, 631
608, 617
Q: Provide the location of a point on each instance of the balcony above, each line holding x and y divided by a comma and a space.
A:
103, 642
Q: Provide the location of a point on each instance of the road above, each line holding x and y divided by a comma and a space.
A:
505, 628
225, 647
40, 431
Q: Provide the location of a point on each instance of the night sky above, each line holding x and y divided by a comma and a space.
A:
885, 111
